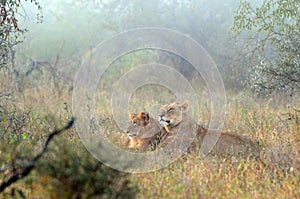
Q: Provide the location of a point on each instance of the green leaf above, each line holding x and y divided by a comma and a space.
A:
25, 135
21, 194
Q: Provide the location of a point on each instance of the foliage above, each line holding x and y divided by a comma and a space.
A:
18, 175
14, 138
12, 132
65, 170
274, 44
76, 174
10, 29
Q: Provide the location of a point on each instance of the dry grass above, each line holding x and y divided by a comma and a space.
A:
210, 178
276, 175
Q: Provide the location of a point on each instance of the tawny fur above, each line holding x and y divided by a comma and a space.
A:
144, 132
174, 118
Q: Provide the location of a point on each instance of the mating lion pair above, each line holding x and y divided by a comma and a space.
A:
145, 132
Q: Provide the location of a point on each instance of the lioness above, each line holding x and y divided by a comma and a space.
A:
144, 132
172, 116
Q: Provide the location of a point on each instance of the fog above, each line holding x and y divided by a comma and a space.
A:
70, 28
83, 25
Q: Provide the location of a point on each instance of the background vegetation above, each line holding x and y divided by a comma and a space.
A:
255, 45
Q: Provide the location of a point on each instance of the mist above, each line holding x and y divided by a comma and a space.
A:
71, 28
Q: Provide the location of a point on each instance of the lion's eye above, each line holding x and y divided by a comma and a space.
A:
170, 110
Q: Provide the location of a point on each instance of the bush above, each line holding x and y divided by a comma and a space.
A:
76, 174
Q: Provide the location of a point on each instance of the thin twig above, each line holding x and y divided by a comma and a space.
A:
20, 175
2, 65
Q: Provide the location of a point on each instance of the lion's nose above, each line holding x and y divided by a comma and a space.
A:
160, 117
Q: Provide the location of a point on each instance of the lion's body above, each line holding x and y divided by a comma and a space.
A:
175, 119
229, 144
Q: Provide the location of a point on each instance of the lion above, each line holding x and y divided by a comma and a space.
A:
174, 118
144, 132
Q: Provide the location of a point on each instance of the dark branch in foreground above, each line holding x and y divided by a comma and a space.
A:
28, 169
5, 94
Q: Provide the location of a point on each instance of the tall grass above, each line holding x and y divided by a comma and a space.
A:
275, 175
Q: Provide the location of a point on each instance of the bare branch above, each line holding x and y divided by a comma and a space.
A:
5, 95
20, 175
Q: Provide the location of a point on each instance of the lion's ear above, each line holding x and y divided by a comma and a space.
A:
144, 116
184, 105
132, 116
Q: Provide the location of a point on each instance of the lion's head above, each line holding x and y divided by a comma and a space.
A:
142, 125
143, 130
171, 115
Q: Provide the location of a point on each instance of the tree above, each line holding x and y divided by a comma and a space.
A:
10, 30
207, 23
274, 43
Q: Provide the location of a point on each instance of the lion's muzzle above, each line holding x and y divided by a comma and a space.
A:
163, 121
